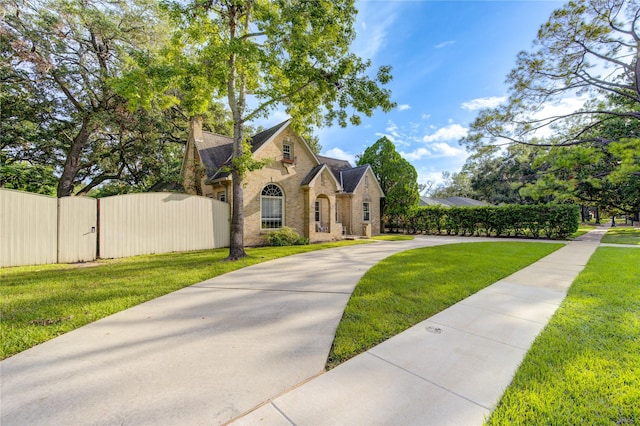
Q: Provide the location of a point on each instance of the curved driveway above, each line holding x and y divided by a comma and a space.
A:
201, 355
213, 352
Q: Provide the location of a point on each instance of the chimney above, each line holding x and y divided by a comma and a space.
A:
195, 128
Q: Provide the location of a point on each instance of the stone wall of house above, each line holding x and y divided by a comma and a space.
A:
323, 190
367, 191
344, 212
299, 211
288, 177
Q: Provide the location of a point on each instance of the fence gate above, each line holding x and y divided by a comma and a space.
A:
77, 229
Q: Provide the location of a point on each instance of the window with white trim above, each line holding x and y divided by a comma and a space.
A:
366, 211
317, 211
272, 207
222, 196
287, 153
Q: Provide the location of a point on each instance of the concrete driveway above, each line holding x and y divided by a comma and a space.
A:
251, 346
201, 355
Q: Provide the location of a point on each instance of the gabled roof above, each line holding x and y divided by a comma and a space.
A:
261, 138
215, 150
351, 177
317, 170
335, 165
312, 174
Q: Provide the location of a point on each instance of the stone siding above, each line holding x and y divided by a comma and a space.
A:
339, 212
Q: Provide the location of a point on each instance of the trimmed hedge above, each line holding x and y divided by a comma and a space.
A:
556, 221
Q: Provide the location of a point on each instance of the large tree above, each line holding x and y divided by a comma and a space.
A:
604, 175
398, 179
589, 49
456, 184
60, 58
261, 55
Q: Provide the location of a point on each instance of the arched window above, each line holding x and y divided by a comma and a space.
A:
272, 205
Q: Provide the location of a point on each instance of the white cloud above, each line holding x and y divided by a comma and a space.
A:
394, 134
417, 154
404, 107
562, 107
447, 133
425, 176
341, 155
436, 150
392, 127
446, 150
481, 103
426, 116
445, 44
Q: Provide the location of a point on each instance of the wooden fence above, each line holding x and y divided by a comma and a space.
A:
37, 229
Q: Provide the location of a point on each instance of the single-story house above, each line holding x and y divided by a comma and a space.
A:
451, 202
320, 197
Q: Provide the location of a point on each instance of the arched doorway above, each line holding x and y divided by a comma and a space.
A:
322, 213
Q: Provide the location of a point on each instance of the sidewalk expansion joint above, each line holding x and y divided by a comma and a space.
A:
285, 290
429, 381
483, 336
275, 407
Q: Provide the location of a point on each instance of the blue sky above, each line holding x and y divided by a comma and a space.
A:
449, 58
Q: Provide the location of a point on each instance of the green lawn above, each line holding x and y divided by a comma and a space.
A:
582, 229
585, 366
41, 302
411, 286
622, 235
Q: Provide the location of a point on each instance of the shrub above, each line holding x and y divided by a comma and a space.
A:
550, 221
285, 237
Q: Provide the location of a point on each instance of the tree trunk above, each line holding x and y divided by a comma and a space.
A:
236, 101
236, 245
72, 163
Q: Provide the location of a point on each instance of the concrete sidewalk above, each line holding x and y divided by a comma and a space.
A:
212, 352
448, 370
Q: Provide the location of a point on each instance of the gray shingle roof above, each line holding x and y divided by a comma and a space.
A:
259, 139
335, 165
215, 150
309, 177
464, 201
351, 177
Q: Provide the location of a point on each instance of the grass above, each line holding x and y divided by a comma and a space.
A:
41, 302
582, 229
585, 366
622, 235
393, 237
411, 286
